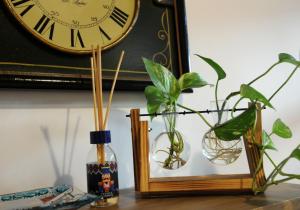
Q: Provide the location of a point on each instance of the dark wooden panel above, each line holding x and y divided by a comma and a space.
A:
159, 33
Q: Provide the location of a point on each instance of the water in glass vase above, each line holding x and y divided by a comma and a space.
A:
169, 149
216, 150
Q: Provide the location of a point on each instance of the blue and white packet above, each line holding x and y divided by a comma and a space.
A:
59, 197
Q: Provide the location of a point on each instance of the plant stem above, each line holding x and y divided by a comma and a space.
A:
283, 164
216, 96
277, 170
224, 103
270, 159
275, 183
170, 122
231, 95
235, 105
283, 84
175, 138
266, 72
260, 162
295, 176
263, 188
198, 113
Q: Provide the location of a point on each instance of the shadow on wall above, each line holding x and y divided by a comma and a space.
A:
63, 176
121, 143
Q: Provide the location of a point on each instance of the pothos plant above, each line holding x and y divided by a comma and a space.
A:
167, 90
162, 97
239, 125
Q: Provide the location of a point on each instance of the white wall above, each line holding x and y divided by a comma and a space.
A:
44, 135
40, 129
245, 37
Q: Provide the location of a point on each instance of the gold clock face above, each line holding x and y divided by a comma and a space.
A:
76, 25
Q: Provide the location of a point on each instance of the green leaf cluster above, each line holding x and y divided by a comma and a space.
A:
280, 129
296, 154
253, 95
218, 69
167, 88
237, 126
287, 58
267, 142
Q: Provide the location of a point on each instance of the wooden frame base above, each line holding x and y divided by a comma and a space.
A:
192, 184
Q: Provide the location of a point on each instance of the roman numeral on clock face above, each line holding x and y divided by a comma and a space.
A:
26, 4
119, 17
41, 26
75, 38
104, 33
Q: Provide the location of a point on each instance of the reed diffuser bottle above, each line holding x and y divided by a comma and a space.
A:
102, 170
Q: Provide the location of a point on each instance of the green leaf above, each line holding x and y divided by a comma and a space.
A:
287, 58
162, 78
191, 80
281, 129
267, 141
296, 154
237, 126
220, 72
249, 92
155, 98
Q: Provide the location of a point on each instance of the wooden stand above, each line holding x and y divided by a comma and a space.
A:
253, 152
192, 184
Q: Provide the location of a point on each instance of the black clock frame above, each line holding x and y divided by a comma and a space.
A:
27, 63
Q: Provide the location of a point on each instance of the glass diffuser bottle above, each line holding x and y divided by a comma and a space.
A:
102, 170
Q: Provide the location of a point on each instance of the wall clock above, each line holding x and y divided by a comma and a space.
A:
155, 29
75, 25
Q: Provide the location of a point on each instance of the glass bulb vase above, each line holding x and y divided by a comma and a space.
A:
169, 149
216, 150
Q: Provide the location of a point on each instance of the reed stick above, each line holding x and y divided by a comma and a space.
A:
99, 63
112, 89
96, 81
94, 96
100, 124
98, 93
99, 59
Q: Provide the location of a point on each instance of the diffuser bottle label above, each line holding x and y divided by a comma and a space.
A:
102, 179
